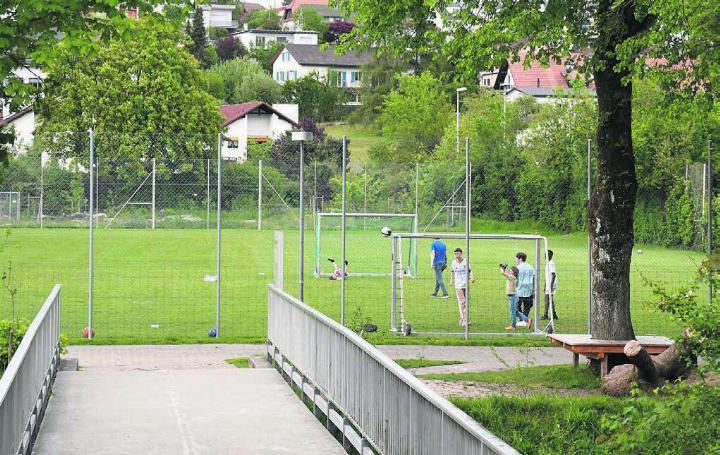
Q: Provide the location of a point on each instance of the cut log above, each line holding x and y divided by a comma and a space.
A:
647, 371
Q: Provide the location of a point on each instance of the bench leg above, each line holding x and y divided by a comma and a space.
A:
603, 366
576, 359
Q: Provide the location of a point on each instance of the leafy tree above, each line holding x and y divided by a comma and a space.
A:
317, 99
37, 29
336, 29
264, 19
413, 117
309, 19
229, 48
216, 33
199, 45
379, 79
142, 95
620, 36
242, 80
265, 55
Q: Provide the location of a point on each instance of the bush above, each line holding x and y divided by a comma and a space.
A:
17, 329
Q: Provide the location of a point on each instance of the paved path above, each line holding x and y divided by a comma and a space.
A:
478, 358
176, 400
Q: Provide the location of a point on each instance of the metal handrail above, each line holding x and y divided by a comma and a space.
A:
27, 379
448, 430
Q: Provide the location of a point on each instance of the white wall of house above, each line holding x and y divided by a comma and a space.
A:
236, 148
218, 16
291, 111
24, 128
257, 38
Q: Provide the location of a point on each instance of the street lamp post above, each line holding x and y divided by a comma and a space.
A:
458, 91
302, 136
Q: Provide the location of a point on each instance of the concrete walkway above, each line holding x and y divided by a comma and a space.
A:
176, 400
478, 358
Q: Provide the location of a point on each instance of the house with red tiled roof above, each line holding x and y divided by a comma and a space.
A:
328, 13
254, 122
541, 81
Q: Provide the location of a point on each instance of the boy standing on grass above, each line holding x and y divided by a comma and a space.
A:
526, 283
459, 274
438, 262
550, 285
510, 283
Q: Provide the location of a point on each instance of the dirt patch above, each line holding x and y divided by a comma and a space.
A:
469, 389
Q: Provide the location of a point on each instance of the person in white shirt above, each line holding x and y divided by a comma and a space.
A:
459, 272
550, 285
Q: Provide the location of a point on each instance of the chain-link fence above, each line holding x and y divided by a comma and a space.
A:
155, 238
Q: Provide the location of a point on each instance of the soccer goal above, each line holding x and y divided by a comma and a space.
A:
10, 205
414, 309
365, 252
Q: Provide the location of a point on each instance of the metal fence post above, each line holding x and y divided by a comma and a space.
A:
589, 240
207, 215
468, 181
301, 247
342, 228
538, 265
219, 230
154, 173
278, 277
393, 291
90, 239
710, 217
42, 191
259, 210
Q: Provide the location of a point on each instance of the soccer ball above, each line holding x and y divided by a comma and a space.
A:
639, 251
85, 332
386, 231
212, 333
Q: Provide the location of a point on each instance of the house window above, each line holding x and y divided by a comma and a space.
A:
291, 75
282, 39
285, 56
260, 41
355, 76
35, 81
233, 144
343, 78
280, 76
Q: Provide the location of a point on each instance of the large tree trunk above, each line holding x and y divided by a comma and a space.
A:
612, 204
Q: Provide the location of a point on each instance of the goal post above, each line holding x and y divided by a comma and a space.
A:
414, 311
10, 205
394, 220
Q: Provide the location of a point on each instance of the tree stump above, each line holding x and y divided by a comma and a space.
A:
645, 370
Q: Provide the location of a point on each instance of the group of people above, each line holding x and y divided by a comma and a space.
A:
519, 283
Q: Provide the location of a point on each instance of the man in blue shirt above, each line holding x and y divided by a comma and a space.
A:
438, 262
525, 288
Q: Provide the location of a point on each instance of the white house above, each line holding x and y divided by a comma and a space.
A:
23, 125
260, 38
295, 61
542, 82
328, 13
215, 15
254, 122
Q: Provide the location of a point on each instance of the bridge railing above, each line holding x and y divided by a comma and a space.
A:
27, 380
359, 388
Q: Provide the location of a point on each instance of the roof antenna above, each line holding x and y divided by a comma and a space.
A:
538, 82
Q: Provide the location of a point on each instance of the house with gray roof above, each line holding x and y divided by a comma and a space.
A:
295, 61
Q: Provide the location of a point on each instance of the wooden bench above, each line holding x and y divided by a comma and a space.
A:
601, 349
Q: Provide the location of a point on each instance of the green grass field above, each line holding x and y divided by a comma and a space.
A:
149, 287
361, 137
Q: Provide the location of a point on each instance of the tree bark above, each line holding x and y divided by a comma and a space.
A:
612, 204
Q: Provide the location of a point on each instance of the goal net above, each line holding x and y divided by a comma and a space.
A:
366, 249
10, 206
413, 303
